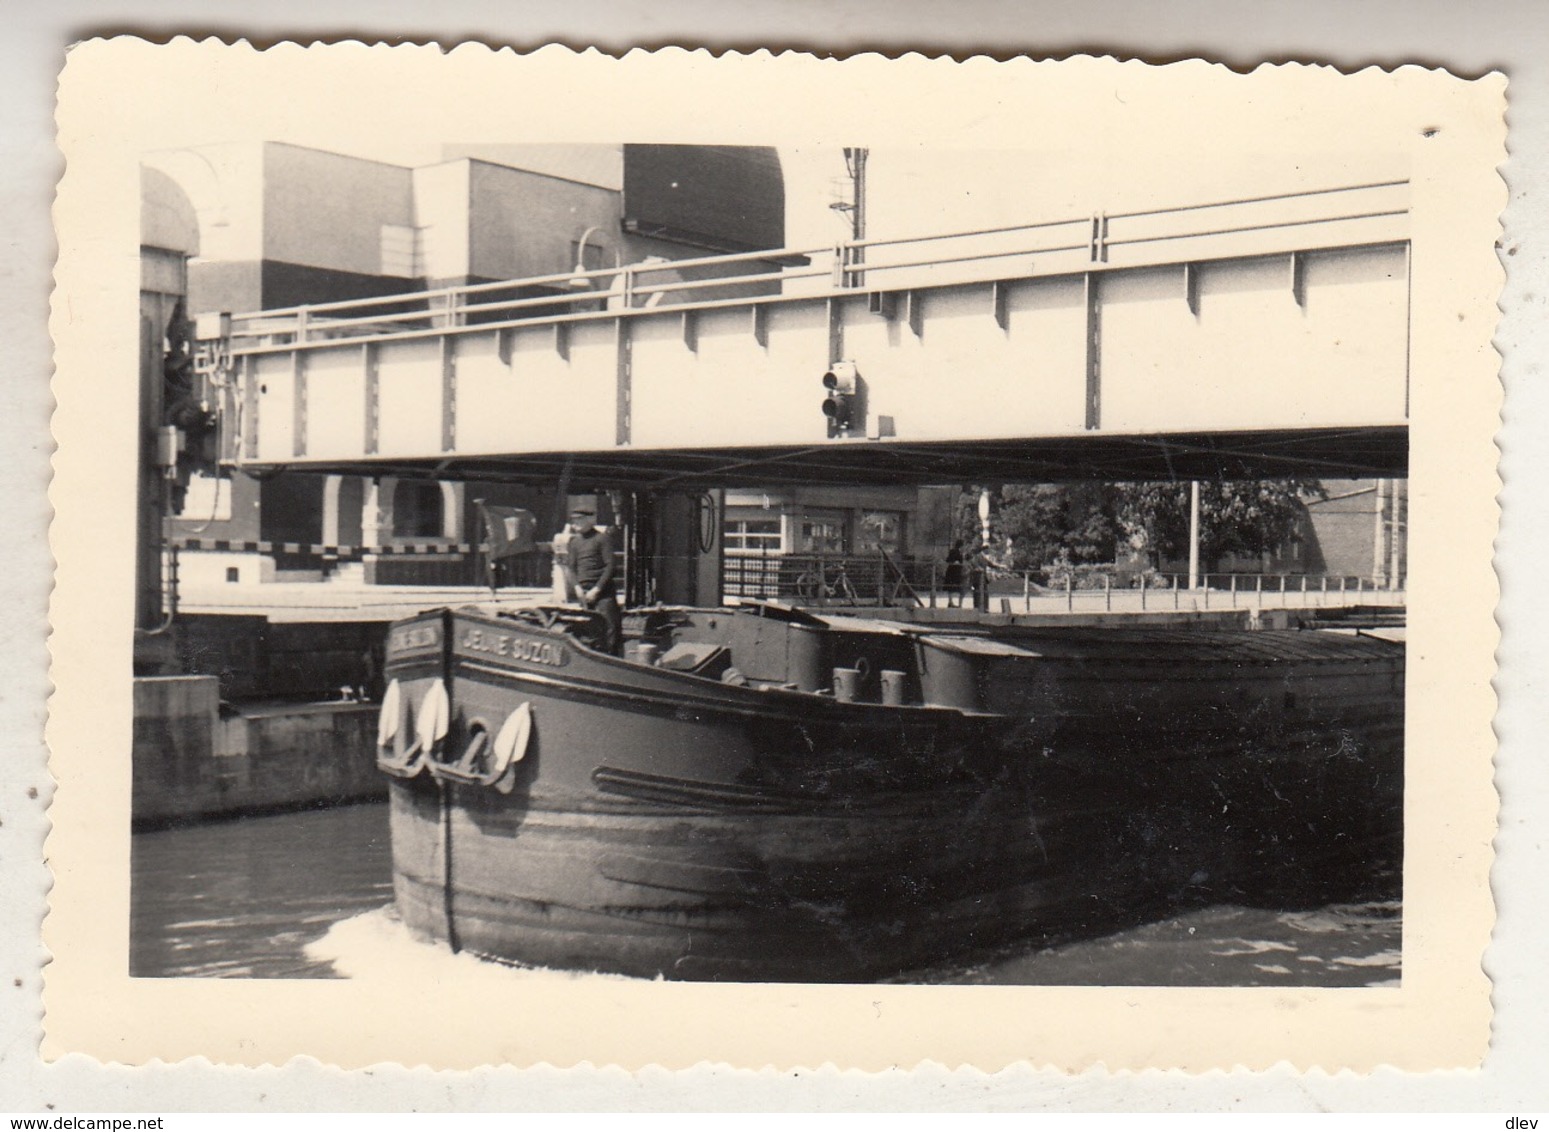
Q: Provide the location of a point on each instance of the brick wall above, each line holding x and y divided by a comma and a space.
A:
1340, 535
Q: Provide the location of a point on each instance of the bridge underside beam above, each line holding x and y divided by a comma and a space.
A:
1330, 453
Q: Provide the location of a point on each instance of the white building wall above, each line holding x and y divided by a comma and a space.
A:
441, 203
326, 210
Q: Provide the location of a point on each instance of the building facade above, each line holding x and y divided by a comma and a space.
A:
794, 542
288, 226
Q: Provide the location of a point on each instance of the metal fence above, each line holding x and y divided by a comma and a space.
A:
826, 579
862, 580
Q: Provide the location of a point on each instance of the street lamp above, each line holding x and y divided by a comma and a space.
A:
579, 281
159, 159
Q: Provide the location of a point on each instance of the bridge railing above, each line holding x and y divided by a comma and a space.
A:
1349, 215
870, 579
1155, 591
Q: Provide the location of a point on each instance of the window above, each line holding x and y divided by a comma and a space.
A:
881, 530
753, 552
401, 253
822, 532
417, 509
753, 536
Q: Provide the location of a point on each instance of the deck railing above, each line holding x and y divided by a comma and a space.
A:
1347, 215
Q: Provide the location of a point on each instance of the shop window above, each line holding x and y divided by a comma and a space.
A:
822, 532
880, 530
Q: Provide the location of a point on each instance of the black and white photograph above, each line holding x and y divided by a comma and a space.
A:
890, 606
570, 560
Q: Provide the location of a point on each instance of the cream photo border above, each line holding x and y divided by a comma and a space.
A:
1452, 133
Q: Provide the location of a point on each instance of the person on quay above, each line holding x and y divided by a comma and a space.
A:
979, 578
592, 568
952, 577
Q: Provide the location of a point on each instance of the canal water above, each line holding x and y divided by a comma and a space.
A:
309, 895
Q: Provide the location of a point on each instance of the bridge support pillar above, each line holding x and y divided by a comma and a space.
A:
453, 503
343, 508
376, 511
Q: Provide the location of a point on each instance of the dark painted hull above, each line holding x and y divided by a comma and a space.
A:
659, 823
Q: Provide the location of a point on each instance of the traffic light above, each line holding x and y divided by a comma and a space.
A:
840, 406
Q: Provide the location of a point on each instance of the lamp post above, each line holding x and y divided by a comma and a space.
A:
219, 213
1193, 534
855, 164
579, 281
855, 208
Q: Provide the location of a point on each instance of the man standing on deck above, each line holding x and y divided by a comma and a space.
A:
591, 560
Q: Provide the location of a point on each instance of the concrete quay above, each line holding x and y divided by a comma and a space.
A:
196, 757
332, 601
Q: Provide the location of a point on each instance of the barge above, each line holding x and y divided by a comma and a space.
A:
763, 794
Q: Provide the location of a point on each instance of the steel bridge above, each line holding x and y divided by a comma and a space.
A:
1235, 338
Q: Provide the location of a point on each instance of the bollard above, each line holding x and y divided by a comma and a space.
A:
1107, 593
1258, 589
847, 685
892, 687
1070, 592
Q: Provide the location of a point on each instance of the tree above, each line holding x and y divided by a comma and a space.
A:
1242, 517
1045, 523
1088, 522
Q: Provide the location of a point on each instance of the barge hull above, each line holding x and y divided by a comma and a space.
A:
659, 824
847, 896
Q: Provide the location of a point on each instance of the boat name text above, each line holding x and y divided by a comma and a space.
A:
514, 647
412, 637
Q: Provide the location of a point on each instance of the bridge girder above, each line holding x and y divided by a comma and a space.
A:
1327, 453
1225, 340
